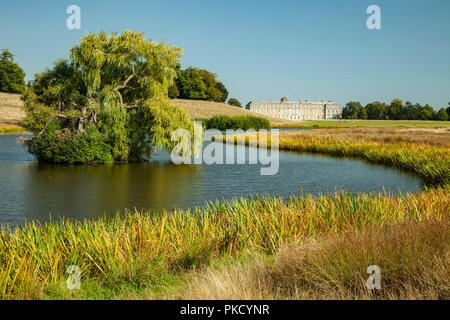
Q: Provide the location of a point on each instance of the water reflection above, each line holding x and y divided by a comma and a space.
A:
87, 191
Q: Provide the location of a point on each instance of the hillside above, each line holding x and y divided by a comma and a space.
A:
12, 113
199, 109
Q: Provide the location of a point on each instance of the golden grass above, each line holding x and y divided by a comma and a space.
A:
11, 108
430, 136
347, 123
414, 258
35, 257
9, 128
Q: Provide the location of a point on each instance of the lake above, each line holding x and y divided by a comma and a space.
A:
32, 191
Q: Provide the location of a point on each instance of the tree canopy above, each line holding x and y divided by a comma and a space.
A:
354, 110
12, 77
198, 84
107, 103
234, 102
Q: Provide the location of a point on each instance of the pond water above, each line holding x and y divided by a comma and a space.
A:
29, 190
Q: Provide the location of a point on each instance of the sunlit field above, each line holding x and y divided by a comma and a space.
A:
367, 123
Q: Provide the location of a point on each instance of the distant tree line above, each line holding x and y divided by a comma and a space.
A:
396, 110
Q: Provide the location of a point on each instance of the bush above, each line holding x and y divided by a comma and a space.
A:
222, 122
234, 102
58, 145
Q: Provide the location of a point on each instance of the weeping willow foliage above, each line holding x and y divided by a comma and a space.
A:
107, 103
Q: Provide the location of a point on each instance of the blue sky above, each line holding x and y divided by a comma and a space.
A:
263, 50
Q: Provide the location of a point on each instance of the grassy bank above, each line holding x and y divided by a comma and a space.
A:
155, 254
301, 247
10, 129
430, 163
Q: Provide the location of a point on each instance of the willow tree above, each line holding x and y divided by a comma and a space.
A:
107, 103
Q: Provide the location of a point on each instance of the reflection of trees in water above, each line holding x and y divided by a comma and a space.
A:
88, 191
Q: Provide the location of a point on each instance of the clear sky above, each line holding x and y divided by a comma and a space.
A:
263, 50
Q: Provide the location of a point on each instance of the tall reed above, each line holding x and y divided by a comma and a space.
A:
36, 256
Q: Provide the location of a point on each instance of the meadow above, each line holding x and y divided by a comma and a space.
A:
365, 123
304, 247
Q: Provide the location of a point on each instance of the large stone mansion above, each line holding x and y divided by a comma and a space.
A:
297, 110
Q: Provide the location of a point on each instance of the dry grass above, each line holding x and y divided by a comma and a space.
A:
198, 109
11, 109
430, 136
414, 258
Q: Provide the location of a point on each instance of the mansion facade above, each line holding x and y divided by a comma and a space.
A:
297, 110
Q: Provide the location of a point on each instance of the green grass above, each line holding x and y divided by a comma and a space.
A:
367, 123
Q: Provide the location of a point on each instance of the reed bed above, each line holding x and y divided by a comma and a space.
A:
431, 163
138, 247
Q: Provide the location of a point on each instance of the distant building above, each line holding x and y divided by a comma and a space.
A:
297, 110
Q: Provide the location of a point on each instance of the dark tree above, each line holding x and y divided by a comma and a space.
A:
442, 115
223, 90
200, 84
173, 92
427, 113
11, 74
234, 102
395, 109
376, 110
352, 110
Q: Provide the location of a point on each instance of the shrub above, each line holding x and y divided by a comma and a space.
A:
222, 122
58, 145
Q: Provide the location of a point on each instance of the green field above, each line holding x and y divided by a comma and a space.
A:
367, 123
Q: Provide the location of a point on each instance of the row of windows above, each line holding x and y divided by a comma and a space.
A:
291, 106
296, 111
315, 117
